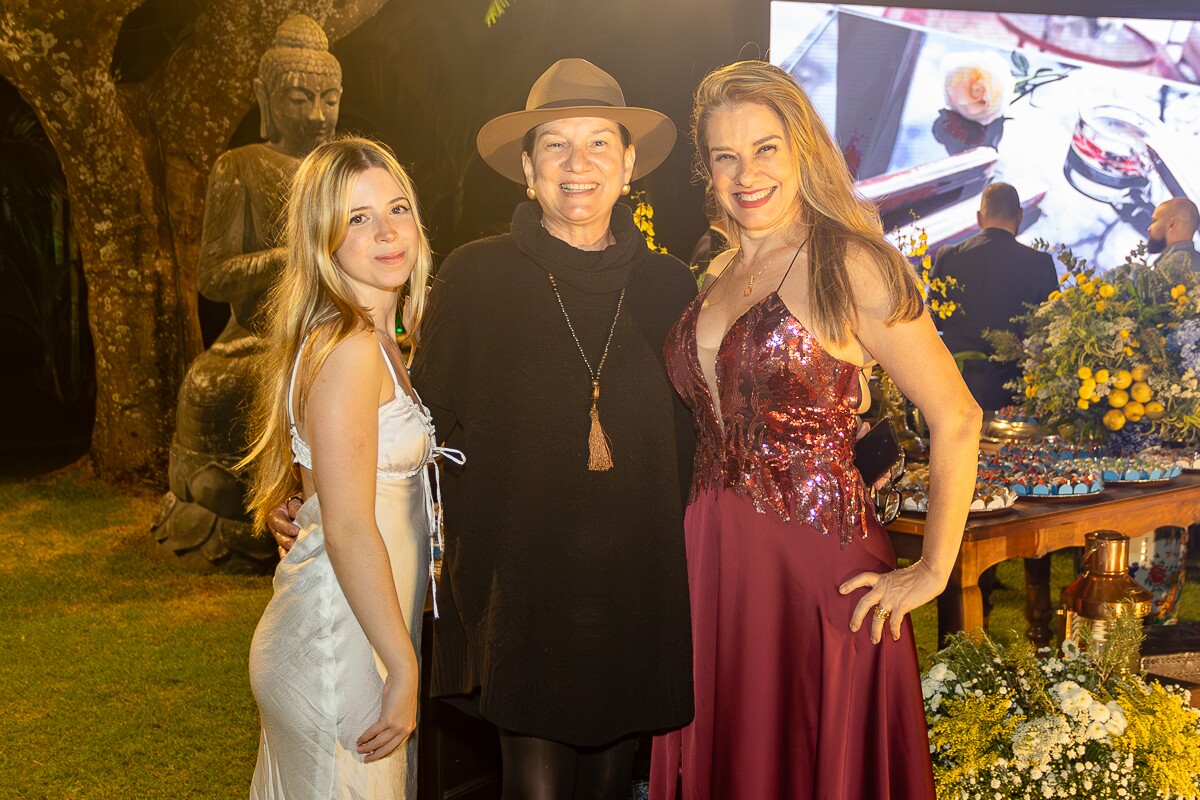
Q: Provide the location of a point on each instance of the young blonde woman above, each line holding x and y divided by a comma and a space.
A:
334, 660
805, 669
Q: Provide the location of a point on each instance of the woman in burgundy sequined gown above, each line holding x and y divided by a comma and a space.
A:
806, 675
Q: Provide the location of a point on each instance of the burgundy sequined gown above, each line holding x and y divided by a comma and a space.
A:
789, 702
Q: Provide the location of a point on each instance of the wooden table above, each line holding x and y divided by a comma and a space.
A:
1034, 529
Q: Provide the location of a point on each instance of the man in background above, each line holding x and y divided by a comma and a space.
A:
1171, 229
997, 276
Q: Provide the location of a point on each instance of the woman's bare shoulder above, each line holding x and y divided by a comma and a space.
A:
718, 265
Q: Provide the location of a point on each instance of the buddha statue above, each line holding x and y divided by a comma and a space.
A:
202, 520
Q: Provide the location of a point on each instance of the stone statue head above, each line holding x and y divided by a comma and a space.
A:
299, 87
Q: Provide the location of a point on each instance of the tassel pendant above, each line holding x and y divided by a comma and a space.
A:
599, 454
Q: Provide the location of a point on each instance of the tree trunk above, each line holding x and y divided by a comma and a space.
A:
136, 159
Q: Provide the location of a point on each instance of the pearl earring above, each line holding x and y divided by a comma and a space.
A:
531, 193
625, 189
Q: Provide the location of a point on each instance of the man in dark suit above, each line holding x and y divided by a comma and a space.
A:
997, 276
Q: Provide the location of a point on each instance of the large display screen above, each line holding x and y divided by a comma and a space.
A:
1094, 121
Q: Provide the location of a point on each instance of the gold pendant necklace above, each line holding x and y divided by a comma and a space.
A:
750, 284
599, 451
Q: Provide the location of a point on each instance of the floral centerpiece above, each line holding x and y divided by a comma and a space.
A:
1005, 724
1112, 351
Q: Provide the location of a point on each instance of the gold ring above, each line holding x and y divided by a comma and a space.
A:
882, 613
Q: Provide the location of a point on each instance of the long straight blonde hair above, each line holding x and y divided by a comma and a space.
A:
312, 304
837, 217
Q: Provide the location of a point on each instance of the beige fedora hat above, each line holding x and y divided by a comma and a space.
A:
574, 87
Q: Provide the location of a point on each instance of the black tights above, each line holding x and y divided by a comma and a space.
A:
540, 769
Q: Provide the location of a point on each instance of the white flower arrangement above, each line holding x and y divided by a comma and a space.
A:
1005, 724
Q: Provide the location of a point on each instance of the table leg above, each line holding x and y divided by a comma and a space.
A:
960, 606
1037, 600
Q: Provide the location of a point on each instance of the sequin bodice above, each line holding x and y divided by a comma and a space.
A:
785, 436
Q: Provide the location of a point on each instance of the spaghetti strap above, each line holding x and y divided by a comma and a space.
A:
726, 269
292, 384
391, 370
789, 269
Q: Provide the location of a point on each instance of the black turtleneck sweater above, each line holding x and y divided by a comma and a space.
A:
563, 593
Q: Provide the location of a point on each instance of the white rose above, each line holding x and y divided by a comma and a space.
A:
978, 85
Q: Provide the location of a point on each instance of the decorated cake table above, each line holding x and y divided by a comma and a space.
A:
1032, 531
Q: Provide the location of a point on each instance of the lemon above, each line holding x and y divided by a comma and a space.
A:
1114, 420
1087, 388
1139, 372
1133, 411
1141, 391
1118, 398
1154, 410
1122, 379
1082, 404
1084, 373
1101, 376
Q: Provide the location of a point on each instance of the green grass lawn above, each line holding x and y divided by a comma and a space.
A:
123, 677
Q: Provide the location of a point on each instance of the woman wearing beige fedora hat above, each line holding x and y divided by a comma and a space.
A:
564, 611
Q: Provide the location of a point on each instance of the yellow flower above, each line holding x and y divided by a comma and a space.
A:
1107, 290
1087, 388
1177, 291
1128, 351
1064, 277
1101, 376
1087, 288
1124, 334
1101, 305
1054, 295
1082, 404
1084, 373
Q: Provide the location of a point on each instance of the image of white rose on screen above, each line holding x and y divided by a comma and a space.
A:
979, 85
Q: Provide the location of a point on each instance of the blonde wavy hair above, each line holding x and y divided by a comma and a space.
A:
837, 217
313, 305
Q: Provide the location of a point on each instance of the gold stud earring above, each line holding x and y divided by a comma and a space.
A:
531, 193
625, 190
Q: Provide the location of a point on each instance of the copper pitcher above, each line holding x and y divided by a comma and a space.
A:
1103, 591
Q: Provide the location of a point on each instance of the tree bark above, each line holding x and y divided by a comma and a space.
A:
136, 159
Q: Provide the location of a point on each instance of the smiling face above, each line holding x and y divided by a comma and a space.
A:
752, 167
578, 166
382, 239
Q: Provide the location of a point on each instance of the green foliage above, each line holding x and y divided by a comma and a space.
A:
495, 10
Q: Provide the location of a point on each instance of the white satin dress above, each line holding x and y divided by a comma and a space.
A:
316, 679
